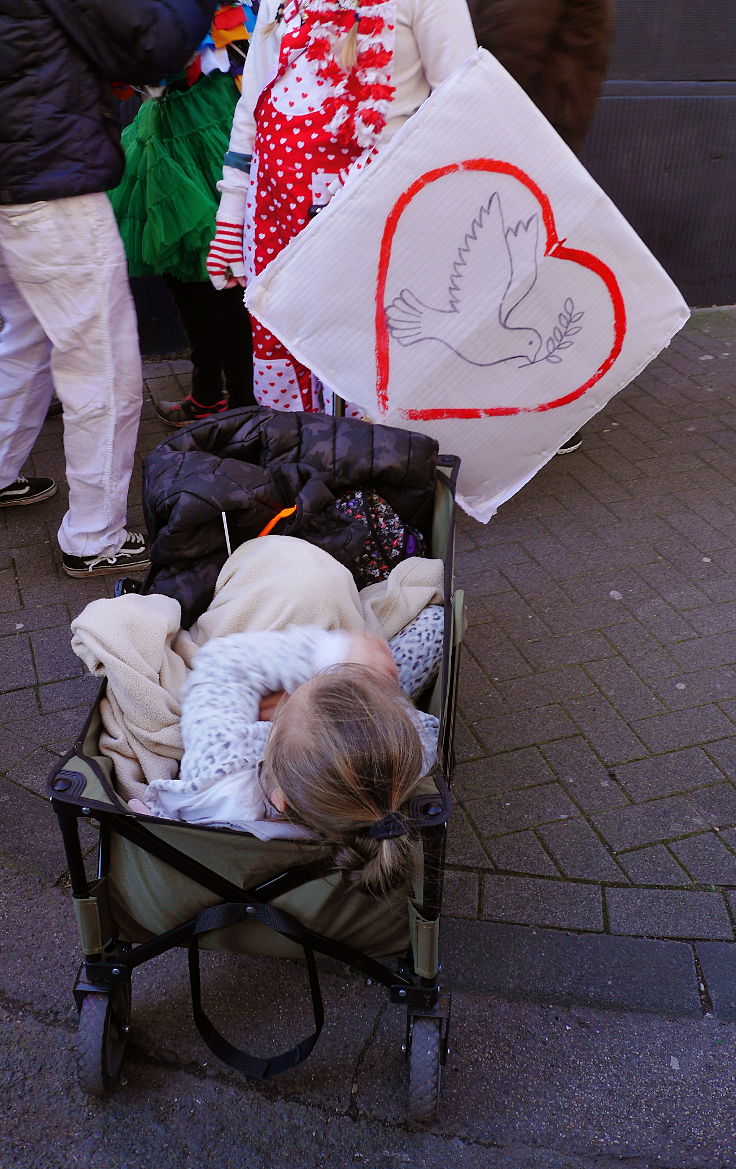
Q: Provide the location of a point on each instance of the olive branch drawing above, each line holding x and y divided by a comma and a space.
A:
561, 333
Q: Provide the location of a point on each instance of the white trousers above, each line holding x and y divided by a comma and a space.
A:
69, 325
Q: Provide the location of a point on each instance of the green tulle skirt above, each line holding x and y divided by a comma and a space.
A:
166, 201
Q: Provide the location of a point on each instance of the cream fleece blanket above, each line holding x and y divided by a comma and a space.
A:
136, 641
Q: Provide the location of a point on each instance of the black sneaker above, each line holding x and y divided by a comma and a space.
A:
25, 491
182, 413
130, 557
573, 443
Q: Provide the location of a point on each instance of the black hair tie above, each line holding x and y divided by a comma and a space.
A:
388, 827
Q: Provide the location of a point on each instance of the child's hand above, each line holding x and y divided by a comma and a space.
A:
368, 649
225, 265
268, 704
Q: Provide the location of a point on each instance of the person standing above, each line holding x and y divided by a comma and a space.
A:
68, 321
558, 52
166, 204
326, 84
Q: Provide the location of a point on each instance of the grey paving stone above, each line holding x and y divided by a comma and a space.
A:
477, 695
15, 654
460, 895
545, 688
668, 774
495, 653
645, 655
491, 555
685, 728
9, 595
668, 913
713, 618
579, 852
32, 771
29, 833
624, 689
664, 622
717, 805
523, 808
70, 693
648, 823
608, 734
518, 619
467, 745
653, 865
53, 655
593, 616
497, 773
698, 688
705, 652
718, 964
463, 846
580, 771
25, 620
706, 859
531, 581
17, 704
624, 582
553, 652
533, 727
723, 752
156, 369
597, 970
521, 852
535, 901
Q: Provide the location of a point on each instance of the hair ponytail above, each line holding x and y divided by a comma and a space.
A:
274, 24
346, 767
376, 866
349, 49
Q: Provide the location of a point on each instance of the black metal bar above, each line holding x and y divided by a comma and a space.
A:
69, 825
132, 830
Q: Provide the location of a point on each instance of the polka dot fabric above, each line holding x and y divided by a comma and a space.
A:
290, 150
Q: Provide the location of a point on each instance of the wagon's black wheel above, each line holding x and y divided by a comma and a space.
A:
425, 1069
103, 1028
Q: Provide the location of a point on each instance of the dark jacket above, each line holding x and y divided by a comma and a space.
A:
59, 132
254, 462
557, 50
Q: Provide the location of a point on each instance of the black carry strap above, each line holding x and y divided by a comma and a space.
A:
233, 913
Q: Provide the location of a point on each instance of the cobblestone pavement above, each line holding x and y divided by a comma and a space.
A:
594, 843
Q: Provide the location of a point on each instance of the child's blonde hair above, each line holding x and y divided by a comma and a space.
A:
347, 770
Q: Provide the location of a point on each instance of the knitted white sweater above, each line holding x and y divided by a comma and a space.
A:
224, 741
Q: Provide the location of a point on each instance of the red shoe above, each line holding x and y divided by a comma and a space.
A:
182, 413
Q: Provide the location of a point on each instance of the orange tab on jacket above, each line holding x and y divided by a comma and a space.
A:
273, 522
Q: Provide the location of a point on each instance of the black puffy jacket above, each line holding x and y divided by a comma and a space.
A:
254, 462
59, 133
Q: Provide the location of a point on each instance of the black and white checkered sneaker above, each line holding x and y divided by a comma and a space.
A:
131, 556
25, 491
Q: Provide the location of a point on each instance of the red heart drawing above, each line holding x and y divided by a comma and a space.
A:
554, 247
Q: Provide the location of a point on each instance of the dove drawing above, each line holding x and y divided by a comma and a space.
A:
495, 270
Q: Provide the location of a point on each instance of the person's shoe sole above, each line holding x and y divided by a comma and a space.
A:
106, 570
27, 501
568, 450
175, 425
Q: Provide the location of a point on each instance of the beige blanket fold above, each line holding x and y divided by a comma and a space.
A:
269, 583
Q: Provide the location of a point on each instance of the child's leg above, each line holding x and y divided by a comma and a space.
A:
417, 650
194, 304
278, 380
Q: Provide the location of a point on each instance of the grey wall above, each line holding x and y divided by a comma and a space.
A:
663, 142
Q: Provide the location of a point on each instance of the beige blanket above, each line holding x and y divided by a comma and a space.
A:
137, 643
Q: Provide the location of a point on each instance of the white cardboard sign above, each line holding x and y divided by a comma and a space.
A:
474, 283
